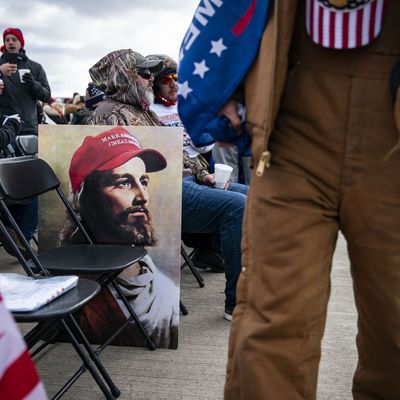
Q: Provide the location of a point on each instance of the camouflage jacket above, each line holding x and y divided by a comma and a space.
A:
197, 167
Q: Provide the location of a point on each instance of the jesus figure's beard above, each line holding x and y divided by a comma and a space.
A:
120, 228
139, 232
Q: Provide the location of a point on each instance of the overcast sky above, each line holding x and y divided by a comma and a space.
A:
68, 36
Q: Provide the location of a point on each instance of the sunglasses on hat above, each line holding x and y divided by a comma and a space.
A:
144, 73
168, 78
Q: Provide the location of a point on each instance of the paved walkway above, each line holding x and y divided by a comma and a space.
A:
196, 370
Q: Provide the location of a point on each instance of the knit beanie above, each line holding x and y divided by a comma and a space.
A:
13, 31
93, 96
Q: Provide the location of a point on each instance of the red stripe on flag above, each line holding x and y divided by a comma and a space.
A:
372, 21
332, 26
241, 25
312, 19
359, 27
320, 24
19, 379
345, 31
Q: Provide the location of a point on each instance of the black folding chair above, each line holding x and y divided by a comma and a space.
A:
187, 260
187, 257
199, 242
24, 177
60, 311
27, 145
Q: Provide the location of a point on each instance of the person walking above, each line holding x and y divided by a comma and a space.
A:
325, 146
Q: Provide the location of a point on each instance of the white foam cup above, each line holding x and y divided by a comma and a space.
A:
222, 173
22, 72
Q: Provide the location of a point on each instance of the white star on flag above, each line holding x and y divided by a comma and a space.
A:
200, 69
184, 89
217, 47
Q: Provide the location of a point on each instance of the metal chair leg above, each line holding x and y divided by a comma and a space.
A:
183, 308
189, 262
96, 360
86, 362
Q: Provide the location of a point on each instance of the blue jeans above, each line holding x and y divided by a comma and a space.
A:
210, 210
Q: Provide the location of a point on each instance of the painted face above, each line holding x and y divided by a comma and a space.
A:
126, 186
169, 88
12, 43
124, 198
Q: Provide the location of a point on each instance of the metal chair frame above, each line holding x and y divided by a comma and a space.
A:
60, 312
36, 177
107, 276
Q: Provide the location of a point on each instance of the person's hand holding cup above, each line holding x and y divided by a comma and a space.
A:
8, 69
22, 72
222, 173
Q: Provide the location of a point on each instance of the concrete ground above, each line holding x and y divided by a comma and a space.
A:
196, 370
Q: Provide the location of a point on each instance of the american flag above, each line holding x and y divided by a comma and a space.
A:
18, 377
218, 49
346, 28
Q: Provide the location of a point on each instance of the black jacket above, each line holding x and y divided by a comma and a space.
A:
8, 131
17, 97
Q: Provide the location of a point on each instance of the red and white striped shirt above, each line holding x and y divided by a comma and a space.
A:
18, 377
346, 28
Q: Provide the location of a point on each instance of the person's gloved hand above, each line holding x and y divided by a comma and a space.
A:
28, 79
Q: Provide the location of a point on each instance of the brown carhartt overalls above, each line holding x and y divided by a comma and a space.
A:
329, 171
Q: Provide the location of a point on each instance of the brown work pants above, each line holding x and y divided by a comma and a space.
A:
329, 172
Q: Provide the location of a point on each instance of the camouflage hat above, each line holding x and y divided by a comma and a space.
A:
169, 65
111, 65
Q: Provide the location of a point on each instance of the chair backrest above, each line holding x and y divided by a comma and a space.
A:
25, 177
27, 144
22, 178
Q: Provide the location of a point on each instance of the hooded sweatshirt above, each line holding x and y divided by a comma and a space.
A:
126, 102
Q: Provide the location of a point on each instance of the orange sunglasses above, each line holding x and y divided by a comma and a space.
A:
168, 78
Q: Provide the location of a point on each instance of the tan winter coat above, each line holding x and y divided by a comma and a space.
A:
265, 81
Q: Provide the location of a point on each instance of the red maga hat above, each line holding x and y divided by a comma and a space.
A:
108, 150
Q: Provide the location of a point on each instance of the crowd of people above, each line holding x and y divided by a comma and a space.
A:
320, 81
127, 89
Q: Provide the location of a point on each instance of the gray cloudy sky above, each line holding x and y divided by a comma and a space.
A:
68, 36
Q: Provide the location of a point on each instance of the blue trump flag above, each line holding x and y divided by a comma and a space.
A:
217, 50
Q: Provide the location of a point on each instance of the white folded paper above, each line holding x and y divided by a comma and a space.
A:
23, 293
